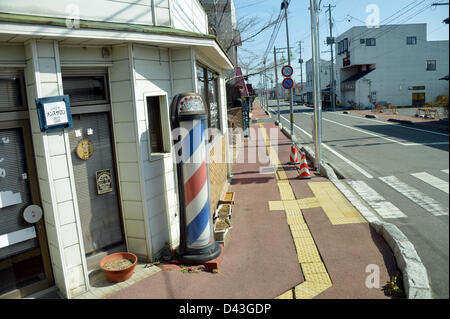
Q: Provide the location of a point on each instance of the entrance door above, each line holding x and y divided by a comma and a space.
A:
24, 259
418, 99
95, 181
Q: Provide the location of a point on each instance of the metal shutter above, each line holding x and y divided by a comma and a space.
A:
13, 161
99, 214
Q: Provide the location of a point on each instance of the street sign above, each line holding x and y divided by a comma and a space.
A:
287, 71
288, 83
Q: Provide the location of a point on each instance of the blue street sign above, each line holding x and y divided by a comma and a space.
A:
288, 83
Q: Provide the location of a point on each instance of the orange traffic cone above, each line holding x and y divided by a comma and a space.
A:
303, 169
293, 158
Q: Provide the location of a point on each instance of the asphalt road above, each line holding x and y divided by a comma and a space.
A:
400, 172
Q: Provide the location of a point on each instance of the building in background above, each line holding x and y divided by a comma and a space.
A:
121, 71
325, 79
222, 24
392, 64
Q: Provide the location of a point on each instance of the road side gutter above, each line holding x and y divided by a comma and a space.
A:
415, 277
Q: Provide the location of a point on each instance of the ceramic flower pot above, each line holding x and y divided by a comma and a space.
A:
123, 274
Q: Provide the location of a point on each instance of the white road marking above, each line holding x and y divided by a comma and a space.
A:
424, 201
385, 138
388, 123
433, 181
445, 171
362, 208
384, 208
359, 169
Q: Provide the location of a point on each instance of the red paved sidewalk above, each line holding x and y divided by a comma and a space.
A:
260, 258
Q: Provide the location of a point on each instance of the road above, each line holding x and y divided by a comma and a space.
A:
400, 172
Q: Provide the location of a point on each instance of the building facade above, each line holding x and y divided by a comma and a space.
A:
121, 63
325, 79
391, 64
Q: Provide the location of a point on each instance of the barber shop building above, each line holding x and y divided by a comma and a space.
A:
108, 182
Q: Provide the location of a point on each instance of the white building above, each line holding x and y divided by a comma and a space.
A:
121, 63
391, 64
325, 79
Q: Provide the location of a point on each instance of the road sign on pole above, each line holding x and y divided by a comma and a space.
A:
288, 83
287, 71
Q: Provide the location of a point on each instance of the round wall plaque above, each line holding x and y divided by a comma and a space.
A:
85, 149
32, 214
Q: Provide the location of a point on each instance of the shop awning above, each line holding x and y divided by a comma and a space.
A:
357, 76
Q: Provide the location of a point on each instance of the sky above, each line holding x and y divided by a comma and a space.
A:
390, 12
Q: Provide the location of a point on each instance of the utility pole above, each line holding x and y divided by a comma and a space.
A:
276, 84
316, 83
330, 41
300, 60
285, 5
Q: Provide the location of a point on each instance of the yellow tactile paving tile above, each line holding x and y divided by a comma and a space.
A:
310, 202
276, 205
305, 290
287, 295
286, 192
316, 276
313, 268
322, 278
335, 205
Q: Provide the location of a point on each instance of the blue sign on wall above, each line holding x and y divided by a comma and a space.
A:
54, 112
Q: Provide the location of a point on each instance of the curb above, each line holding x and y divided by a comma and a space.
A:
415, 276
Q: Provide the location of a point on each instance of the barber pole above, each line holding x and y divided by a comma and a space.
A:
303, 172
293, 158
196, 192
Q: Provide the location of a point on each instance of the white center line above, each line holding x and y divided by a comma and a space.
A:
376, 201
445, 170
433, 181
355, 166
424, 201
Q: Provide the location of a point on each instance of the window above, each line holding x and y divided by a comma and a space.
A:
371, 42
411, 40
345, 49
12, 91
208, 88
431, 65
154, 124
85, 90
362, 41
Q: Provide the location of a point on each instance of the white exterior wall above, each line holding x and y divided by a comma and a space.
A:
398, 65
179, 14
189, 16
55, 174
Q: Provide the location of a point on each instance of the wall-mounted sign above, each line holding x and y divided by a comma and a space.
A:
103, 179
287, 71
85, 149
54, 112
414, 88
288, 83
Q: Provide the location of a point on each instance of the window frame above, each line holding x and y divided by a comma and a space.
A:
16, 73
371, 42
435, 65
410, 38
165, 125
200, 65
93, 102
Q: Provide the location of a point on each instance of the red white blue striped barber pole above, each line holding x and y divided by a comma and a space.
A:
196, 191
